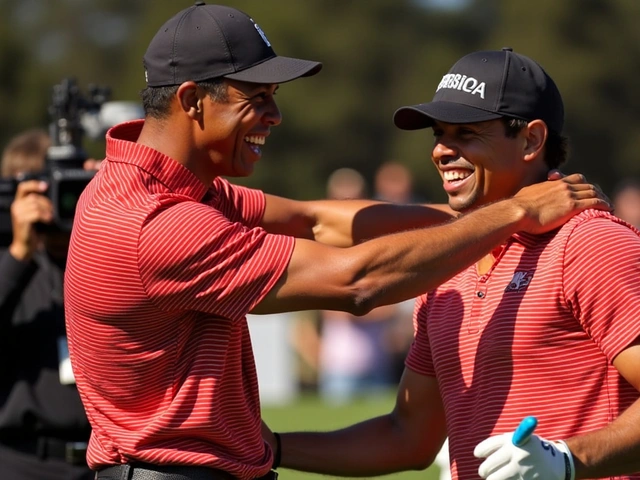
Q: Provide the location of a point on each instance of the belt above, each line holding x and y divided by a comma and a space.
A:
168, 472
73, 453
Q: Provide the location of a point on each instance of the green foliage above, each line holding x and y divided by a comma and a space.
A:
378, 55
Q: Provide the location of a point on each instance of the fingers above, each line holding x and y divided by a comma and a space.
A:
32, 208
495, 462
29, 187
92, 164
488, 446
574, 178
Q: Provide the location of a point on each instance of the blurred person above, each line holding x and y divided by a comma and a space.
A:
544, 325
393, 182
161, 350
43, 427
626, 201
355, 357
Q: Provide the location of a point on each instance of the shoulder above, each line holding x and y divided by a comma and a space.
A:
596, 222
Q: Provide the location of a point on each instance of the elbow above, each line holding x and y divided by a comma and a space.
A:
361, 302
418, 459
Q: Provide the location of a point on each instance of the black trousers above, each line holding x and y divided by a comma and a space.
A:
21, 465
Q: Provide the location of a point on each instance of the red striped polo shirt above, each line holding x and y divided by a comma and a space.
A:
161, 273
536, 335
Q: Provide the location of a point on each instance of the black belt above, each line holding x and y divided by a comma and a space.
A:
168, 472
73, 453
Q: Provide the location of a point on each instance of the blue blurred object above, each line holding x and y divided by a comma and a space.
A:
524, 431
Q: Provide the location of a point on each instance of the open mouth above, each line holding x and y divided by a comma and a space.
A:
455, 179
254, 142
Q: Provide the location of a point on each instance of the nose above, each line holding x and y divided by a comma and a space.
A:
444, 151
272, 115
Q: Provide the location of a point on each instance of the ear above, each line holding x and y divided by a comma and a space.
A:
188, 95
536, 137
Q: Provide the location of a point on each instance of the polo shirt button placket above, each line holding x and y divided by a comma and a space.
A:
477, 306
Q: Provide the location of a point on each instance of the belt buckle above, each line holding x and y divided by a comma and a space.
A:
75, 453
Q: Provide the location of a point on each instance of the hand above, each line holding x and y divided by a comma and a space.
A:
29, 207
92, 164
557, 175
550, 204
535, 459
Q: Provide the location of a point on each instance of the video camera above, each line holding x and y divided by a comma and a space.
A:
73, 114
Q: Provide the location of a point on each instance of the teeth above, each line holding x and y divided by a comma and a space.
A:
452, 175
258, 140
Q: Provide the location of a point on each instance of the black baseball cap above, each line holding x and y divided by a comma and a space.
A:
204, 42
488, 85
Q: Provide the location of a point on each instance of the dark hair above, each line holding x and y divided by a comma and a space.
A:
556, 148
25, 153
157, 100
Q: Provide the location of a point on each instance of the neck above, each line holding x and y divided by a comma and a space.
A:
174, 139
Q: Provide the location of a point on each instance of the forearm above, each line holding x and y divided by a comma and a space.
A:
613, 450
348, 223
399, 270
373, 447
343, 223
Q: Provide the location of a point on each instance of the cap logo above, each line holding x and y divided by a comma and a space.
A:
455, 81
264, 37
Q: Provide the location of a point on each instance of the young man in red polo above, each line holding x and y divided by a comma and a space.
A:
167, 257
543, 325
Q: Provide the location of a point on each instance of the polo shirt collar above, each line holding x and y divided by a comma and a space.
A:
122, 148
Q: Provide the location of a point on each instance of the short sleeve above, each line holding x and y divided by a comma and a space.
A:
193, 257
602, 282
419, 357
238, 203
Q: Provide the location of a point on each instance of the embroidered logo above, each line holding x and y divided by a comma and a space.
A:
455, 81
519, 282
264, 37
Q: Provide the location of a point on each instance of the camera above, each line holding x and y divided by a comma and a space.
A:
72, 115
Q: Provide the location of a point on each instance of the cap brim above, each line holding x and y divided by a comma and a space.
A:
424, 115
277, 70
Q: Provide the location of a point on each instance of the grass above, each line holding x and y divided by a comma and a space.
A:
311, 413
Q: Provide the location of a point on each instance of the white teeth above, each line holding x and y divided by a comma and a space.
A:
258, 140
452, 175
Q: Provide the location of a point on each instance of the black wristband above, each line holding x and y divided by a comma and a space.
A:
277, 455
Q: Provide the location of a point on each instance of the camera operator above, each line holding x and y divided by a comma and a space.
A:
43, 426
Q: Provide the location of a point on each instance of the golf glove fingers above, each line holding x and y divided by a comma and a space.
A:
536, 459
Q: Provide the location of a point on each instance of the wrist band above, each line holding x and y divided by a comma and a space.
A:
277, 455
569, 466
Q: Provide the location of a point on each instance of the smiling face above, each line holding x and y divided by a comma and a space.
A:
479, 163
231, 133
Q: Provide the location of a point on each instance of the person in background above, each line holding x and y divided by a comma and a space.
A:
626, 201
161, 351
355, 357
43, 426
543, 325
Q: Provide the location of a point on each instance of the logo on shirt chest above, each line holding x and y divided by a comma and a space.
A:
519, 282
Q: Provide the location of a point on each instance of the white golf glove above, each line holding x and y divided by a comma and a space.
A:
536, 459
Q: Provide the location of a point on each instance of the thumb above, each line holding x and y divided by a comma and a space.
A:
490, 445
555, 174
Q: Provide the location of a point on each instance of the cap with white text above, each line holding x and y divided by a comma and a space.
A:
204, 42
488, 85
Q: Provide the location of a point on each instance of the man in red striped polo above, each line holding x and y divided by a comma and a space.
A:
544, 325
167, 257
